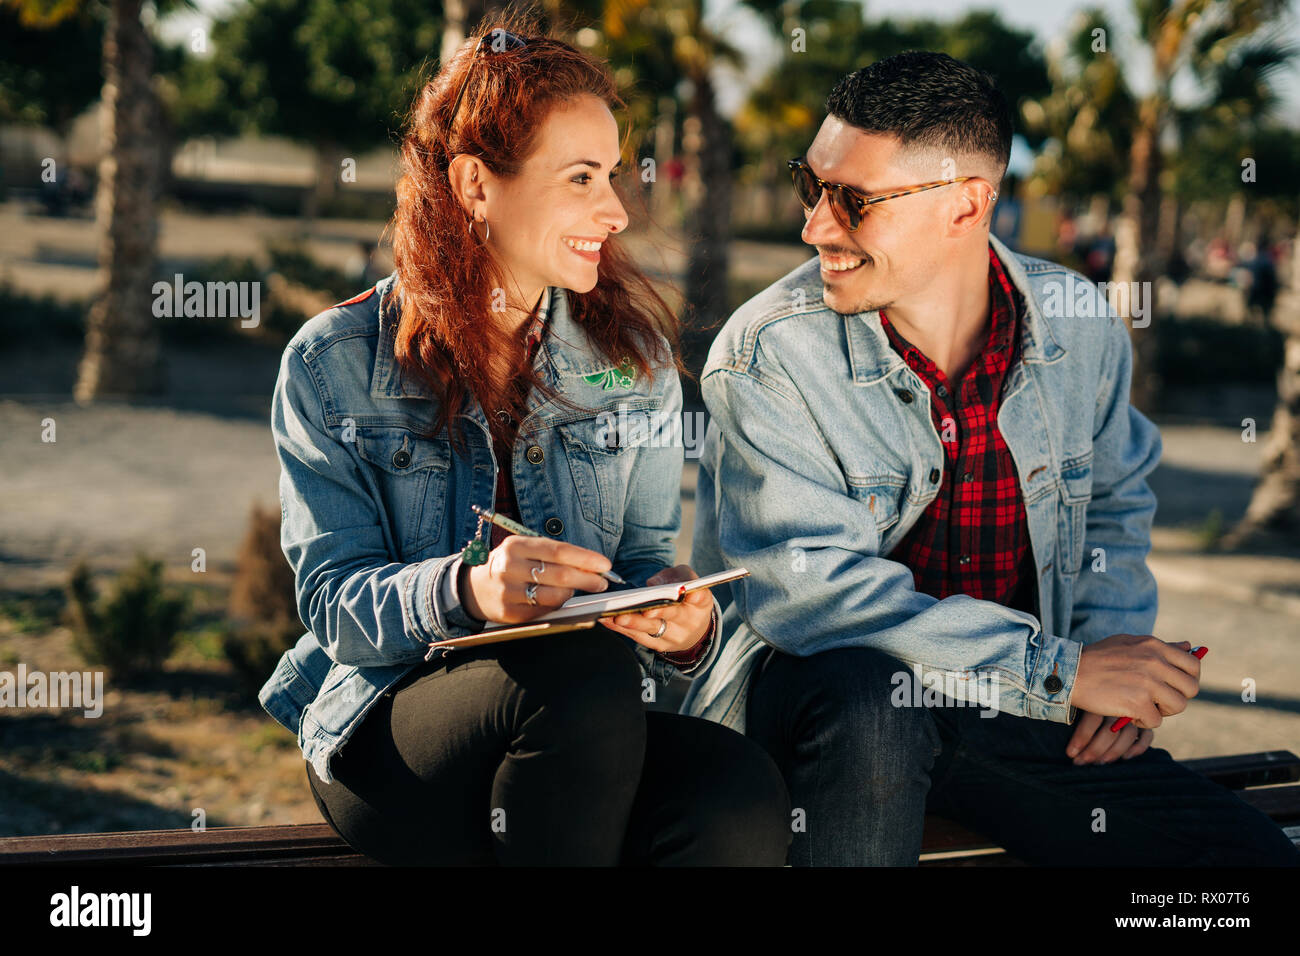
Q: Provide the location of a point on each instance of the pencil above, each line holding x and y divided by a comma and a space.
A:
514, 527
1198, 652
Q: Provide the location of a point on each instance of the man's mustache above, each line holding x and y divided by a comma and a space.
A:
846, 253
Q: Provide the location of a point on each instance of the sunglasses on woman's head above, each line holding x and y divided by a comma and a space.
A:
848, 204
496, 40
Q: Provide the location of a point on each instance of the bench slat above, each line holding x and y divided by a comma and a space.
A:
315, 844
148, 846
1240, 771
1281, 804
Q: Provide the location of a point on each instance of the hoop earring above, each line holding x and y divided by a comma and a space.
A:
487, 234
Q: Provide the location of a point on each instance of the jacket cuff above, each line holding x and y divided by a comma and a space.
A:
1051, 677
449, 590
431, 617
690, 660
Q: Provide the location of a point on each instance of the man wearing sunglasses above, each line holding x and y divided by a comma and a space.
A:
931, 469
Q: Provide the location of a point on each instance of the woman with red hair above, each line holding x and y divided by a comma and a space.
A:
518, 359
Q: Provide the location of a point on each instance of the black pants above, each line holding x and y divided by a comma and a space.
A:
864, 770
541, 751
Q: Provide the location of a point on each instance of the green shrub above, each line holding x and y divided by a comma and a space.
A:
131, 630
39, 320
254, 649
263, 607
293, 261
1195, 351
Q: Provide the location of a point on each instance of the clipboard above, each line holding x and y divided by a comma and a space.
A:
584, 611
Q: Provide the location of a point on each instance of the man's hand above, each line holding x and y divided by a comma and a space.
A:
1138, 676
1094, 742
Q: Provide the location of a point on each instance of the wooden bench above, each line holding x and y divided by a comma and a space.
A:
1264, 780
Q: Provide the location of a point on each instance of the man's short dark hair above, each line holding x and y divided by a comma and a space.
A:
930, 100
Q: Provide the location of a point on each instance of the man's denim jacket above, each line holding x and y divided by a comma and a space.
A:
375, 508
821, 454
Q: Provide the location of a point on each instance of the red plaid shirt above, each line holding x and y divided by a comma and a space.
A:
973, 538
506, 504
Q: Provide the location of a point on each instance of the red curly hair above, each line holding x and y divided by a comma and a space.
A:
446, 335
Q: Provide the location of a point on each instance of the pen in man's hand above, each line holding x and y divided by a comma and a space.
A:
514, 527
1120, 724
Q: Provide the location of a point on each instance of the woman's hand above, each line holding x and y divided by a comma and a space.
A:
498, 590
686, 622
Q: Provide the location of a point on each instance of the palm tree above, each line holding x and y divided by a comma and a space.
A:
661, 44
1178, 37
123, 354
1274, 509
1241, 94
1087, 116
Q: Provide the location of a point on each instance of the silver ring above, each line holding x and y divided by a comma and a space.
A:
537, 571
530, 592
663, 626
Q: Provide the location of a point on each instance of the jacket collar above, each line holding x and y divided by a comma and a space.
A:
872, 358
565, 350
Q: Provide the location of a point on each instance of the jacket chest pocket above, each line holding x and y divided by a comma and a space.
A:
411, 471
1076, 493
602, 452
881, 497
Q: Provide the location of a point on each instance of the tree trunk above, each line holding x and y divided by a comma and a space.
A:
1234, 221
1136, 250
123, 354
460, 16
325, 186
1275, 506
708, 152
661, 191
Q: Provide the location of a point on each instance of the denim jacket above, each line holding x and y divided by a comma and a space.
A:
821, 455
375, 507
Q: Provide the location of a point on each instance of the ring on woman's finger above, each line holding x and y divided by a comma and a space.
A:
663, 626
530, 593
538, 570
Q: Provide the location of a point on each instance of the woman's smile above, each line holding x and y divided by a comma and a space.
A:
585, 246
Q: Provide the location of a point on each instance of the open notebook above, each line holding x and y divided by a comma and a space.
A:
583, 610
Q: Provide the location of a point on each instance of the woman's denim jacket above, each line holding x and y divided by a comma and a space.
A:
375, 508
821, 455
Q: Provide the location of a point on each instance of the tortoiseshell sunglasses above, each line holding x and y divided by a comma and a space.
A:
849, 205
497, 40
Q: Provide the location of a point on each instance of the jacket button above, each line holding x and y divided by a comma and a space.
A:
968, 477
1052, 684
554, 526
401, 458
934, 476
964, 559
535, 455
941, 391
904, 396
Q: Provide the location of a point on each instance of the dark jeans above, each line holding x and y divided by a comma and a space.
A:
540, 751
865, 773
